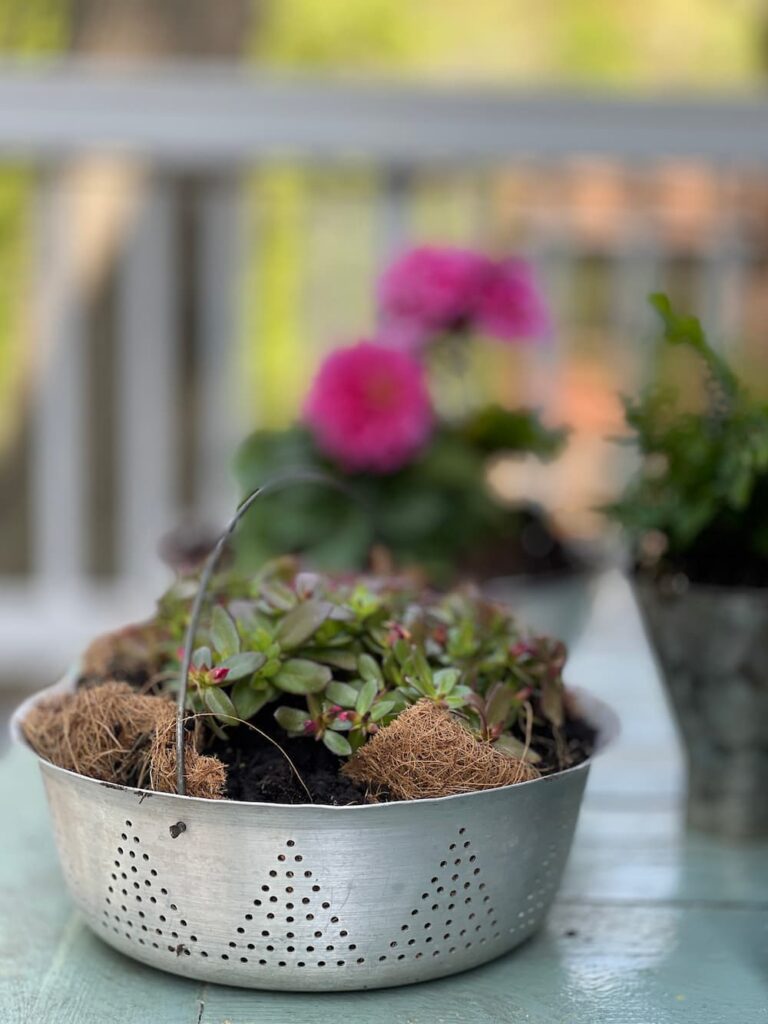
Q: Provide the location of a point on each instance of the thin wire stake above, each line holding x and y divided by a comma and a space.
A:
296, 477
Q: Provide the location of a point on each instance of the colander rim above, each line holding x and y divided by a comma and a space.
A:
599, 714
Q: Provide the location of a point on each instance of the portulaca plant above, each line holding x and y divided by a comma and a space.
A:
334, 660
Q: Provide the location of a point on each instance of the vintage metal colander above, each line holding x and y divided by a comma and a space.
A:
312, 897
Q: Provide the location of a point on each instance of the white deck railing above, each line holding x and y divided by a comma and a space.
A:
219, 117
219, 123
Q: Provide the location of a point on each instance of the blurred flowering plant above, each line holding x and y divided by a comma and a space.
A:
369, 408
371, 418
432, 292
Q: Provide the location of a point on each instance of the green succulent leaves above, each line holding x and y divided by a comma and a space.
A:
301, 623
220, 703
337, 744
701, 490
292, 720
224, 635
342, 694
300, 676
340, 660
249, 699
244, 665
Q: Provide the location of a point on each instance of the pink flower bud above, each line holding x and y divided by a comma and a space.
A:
519, 649
334, 709
218, 675
344, 716
396, 632
310, 728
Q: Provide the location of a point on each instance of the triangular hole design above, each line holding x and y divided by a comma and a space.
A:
139, 906
291, 922
454, 912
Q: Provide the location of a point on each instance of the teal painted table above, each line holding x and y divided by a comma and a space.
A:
652, 926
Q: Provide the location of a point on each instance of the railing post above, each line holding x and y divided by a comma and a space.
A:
58, 447
220, 397
147, 376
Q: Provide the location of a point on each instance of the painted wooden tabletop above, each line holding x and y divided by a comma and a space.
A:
652, 925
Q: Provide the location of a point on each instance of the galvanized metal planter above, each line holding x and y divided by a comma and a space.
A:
316, 898
712, 647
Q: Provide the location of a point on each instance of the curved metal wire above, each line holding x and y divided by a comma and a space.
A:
295, 477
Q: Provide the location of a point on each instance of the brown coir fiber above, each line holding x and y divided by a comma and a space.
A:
205, 776
112, 733
129, 653
102, 731
426, 752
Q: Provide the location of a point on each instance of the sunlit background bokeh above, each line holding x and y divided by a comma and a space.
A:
153, 311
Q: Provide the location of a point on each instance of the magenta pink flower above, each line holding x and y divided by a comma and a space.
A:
369, 407
510, 306
429, 290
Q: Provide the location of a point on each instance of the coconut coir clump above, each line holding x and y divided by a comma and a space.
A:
114, 734
426, 752
205, 776
102, 732
128, 655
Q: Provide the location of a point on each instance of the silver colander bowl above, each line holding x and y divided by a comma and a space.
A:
316, 898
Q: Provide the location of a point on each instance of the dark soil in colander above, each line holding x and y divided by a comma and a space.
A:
258, 771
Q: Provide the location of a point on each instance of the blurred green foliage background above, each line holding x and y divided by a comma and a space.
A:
627, 44
624, 42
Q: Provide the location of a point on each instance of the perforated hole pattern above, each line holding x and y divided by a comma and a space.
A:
291, 923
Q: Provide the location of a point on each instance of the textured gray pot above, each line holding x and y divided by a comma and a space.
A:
557, 604
712, 648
